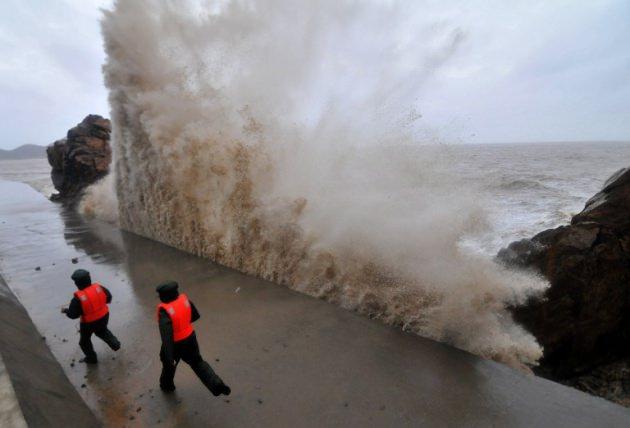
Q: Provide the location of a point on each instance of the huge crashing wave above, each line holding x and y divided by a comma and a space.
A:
283, 139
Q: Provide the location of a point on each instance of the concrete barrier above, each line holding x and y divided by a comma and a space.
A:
45, 395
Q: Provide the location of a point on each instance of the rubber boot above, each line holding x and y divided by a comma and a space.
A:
210, 379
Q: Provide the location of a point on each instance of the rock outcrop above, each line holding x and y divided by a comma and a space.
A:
583, 319
80, 159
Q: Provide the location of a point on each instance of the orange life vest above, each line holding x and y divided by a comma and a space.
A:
93, 302
180, 314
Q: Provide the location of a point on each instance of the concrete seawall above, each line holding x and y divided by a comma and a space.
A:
45, 395
10, 412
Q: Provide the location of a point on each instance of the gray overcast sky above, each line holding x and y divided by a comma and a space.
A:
527, 71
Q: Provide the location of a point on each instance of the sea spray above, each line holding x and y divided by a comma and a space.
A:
100, 200
280, 138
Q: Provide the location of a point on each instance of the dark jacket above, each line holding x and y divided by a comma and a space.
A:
75, 310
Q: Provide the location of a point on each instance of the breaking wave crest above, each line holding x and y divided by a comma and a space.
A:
520, 185
275, 138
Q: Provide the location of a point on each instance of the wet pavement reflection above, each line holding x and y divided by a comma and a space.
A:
291, 360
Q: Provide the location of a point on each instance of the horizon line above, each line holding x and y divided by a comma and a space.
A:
458, 143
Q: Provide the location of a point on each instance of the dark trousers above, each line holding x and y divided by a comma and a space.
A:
99, 328
188, 350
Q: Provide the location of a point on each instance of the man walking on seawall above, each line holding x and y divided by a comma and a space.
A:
90, 303
175, 317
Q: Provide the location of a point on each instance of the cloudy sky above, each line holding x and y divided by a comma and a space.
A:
553, 70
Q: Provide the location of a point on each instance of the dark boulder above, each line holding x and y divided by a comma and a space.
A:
583, 319
610, 381
80, 159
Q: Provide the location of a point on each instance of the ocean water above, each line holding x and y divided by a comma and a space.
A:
533, 187
34, 172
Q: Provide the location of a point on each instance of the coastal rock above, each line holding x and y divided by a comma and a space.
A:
583, 319
80, 159
610, 381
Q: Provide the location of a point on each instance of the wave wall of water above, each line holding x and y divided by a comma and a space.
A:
271, 137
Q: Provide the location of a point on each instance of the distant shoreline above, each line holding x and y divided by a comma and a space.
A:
23, 152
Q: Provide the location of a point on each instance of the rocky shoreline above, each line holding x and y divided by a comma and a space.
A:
583, 319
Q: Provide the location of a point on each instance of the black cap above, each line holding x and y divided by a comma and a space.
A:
167, 287
168, 291
80, 274
81, 278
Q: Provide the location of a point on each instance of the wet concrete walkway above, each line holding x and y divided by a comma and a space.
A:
291, 360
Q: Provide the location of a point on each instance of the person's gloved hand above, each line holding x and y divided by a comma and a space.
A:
64, 310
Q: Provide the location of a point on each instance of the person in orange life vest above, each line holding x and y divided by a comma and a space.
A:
175, 317
90, 303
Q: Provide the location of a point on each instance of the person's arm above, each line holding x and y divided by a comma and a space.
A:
166, 333
107, 294
194, 314
74, 311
